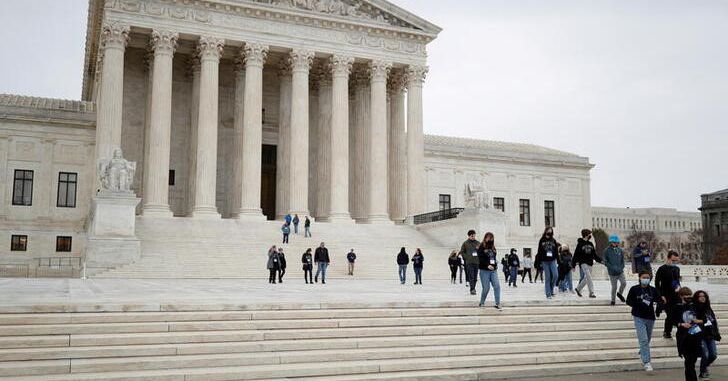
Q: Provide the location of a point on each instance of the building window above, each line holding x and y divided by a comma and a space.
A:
19, 243
499, 203
23, 187
444, 201
171, 177
66, 190
549, 211
63, 244
524, 211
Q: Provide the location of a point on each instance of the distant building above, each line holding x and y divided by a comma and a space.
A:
714, 208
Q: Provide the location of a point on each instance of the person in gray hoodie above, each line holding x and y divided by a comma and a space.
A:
469, 252
614, 260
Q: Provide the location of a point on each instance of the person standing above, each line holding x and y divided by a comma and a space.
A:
296, 221
288, 218
539, 270
548, 249
307, 260
454, 262
614, 260
282, 267
351, 258
307, 228
565, 279
322, 260
641, 258
417, 262
584, 256
286, 230
469, 252
527, 265
711, 332
402, 262
461, 269
642, 298
689, 334
488, 269
667, 280
274, 265
506, 269
513, 264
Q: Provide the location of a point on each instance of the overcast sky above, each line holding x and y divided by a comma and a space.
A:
638, 86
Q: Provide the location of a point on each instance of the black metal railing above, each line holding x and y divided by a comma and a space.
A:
439, 215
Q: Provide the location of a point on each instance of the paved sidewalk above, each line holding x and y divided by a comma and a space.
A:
717, 374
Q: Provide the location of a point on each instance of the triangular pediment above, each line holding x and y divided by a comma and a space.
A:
371, 11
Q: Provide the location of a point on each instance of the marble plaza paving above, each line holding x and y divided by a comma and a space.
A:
717, 373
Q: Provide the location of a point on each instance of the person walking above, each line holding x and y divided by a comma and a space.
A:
527, 265
469, 252
548, 249
614, 260
641, 258
689, 334
282, 267
667, 281
402, 262
286, 230
273, 265
454, 262
642, 298
513, 264
461, 270
296, 221
506, 269
584, 256
711, 332
288, 218
351, 259
307, 260
565, 279
322, 260
307, 228
417, 262
488, 269
539, 270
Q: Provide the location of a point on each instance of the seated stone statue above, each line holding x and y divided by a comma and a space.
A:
117, 174
475, 196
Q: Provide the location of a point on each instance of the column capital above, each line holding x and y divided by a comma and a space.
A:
210, 48
239, 64
284, 68
114, 35
300, 59
416, 74
340, 65
397, 82
254, 54
193, 67
148, 60
379, 70
163, 41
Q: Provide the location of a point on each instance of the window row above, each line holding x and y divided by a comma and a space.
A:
524, 209
19, 242
23, 188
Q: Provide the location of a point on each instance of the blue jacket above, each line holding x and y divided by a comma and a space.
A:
614, 260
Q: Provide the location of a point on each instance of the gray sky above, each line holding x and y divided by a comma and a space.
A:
638, 86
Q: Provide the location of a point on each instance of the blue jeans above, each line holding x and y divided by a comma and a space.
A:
644, 336
295, 228
514, 275
402, 273
307, 231
321, 269
418, 274
567, 283
551, 275
581, 274
488, 278
710, 354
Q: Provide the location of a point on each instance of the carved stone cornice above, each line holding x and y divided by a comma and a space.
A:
300, 60
210, 48
379, 70
340, 65
114, 35
163, 42
254, 54
416, 74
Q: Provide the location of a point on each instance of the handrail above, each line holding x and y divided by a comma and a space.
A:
440, 215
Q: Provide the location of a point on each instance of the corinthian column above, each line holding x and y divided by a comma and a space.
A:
114, 37
397, 149
238, 151
323, 151
377, 179
359, 158
284, 138
254, 58
300, 61
339, 140
194, 72
209, 49
415, 142
156, 167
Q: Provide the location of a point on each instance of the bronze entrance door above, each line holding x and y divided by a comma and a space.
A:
268, 182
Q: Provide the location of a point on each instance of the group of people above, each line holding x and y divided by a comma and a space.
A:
289, 220
276, 264
403, 260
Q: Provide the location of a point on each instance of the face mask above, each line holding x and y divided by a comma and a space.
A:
688, 300
645, 282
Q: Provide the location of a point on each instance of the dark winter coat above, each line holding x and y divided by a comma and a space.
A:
487, 258
548, 250
321, 255
402, 258
689, 340
641, 260
467, 249
417, 261
274, 262
710, 322
614, 260
307, 260
585, 252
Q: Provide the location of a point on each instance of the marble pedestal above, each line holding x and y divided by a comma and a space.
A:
112, 239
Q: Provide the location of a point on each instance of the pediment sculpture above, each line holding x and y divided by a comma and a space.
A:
350, 8
116, 174
476, 196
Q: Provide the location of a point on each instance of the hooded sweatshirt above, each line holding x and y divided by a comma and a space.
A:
585, 253
614, 260
402, 258
548, 250
469, 251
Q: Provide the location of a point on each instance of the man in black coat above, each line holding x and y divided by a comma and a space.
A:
321, 258
667, 281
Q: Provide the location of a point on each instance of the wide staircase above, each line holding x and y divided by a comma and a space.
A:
189, 248
453, 342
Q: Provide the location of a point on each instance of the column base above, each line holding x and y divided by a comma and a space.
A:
157, 211
339, 218
378, 220
250, 215
205, 213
